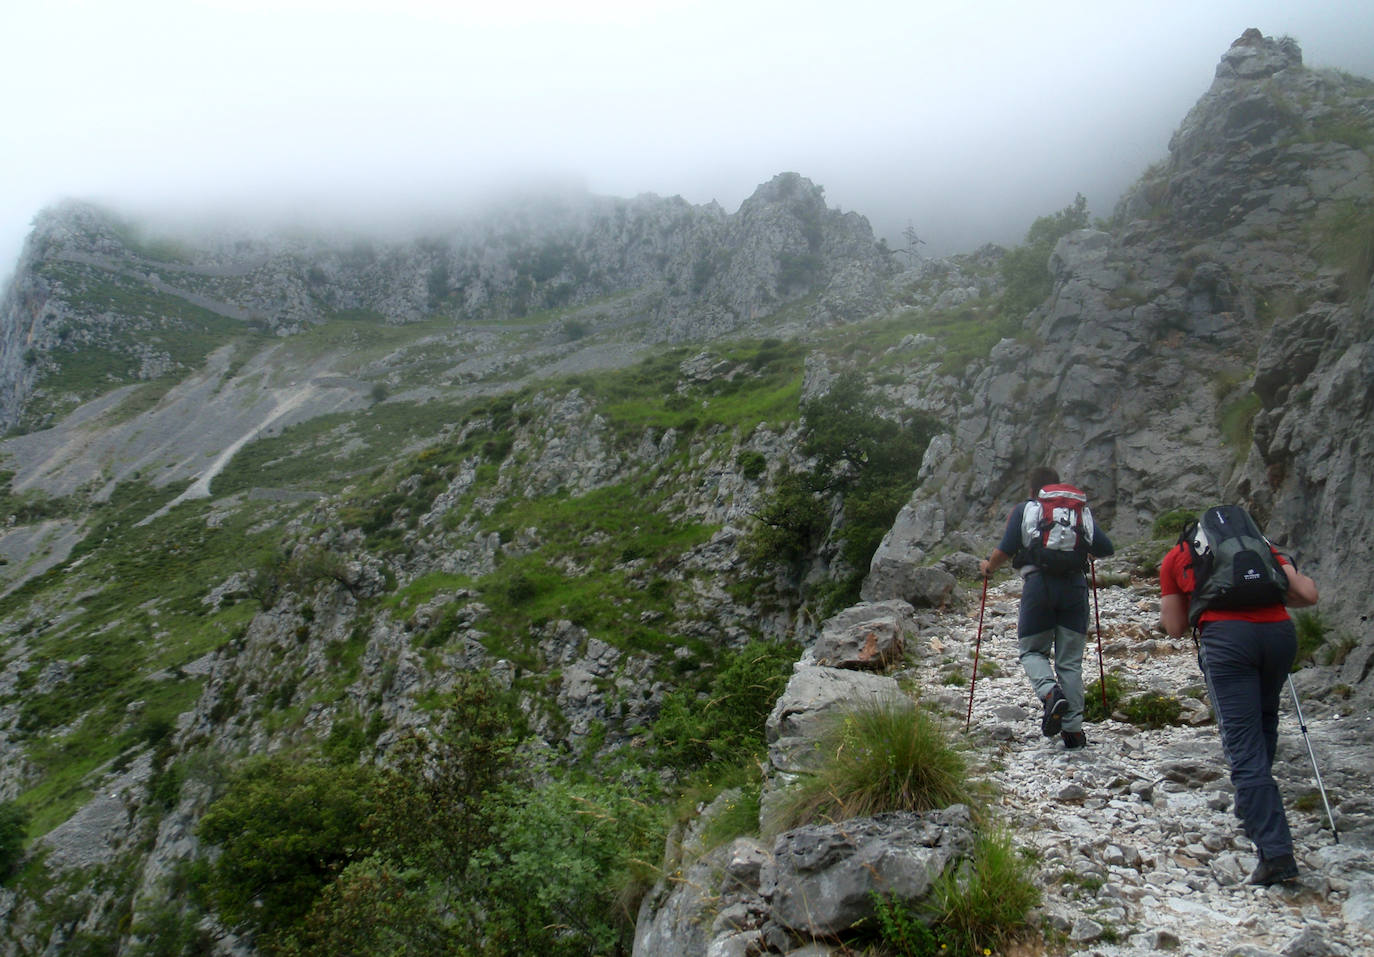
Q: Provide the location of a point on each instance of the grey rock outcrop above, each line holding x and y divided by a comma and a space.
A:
821, 880
814, 697
870, 637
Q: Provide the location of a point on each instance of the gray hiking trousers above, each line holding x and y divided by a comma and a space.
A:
1052, 632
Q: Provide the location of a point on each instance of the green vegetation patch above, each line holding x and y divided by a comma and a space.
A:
1237, 422
1025, 269
601, 563
357, 338
133, 617
975, 911
1344, 238
870, 460
461, 845
758, 382
719, 724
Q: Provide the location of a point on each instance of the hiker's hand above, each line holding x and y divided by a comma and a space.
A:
985, 567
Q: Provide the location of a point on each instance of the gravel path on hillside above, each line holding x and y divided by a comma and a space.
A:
1139, 849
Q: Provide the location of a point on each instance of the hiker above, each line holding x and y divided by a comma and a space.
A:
1245, 654
1052, 627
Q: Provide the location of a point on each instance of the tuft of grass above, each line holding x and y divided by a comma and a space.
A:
987, 904
890, 755
1337, 651
1152, 710
739, 815
1237, 422
1311, 629
976, 909
1345, 239
1170, 524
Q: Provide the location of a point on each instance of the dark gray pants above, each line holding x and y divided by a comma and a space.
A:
1246, 665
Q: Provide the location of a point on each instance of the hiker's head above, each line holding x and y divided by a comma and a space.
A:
1040, 477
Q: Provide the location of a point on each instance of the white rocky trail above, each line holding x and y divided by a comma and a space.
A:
1139, 849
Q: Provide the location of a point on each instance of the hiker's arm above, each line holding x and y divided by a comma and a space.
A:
1302, 591
1011, 536
996, 561
1101, 546
1173, 612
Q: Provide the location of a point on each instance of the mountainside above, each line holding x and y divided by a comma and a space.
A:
1212, 343
464, 556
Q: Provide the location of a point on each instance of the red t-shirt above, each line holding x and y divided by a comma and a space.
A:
1176, 578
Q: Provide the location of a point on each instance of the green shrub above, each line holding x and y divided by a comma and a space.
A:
904, 931
884, 756
1025, 269
566, 869
1170, 524
725, 726
870, 461
1093, 709
374, 907
789, 527
286, 828
435, 799
751, 464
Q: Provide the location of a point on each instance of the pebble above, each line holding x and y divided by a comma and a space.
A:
1147, 813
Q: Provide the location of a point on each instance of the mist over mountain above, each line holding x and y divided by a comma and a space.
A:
484, 583
964, 124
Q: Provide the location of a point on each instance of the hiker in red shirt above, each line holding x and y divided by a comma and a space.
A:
1246, 654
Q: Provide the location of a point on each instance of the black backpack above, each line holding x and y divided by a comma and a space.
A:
1233, 564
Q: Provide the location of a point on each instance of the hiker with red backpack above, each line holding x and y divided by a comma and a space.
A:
1049, 539
1231, 587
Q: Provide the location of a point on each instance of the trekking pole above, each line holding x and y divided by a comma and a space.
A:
1312, 754
1101, 672
976, 646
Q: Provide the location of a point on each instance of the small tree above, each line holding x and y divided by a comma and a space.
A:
14, 822
912, 242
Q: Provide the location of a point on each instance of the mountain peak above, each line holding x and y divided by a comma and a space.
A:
1253, 56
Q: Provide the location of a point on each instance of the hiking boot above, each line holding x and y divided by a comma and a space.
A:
1055, 707
1073, 740
1275, 870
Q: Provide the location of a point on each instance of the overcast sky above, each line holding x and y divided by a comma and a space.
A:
964, 119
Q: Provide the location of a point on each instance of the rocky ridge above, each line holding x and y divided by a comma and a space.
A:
665, 269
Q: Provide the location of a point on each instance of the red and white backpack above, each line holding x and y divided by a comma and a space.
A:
1056, 529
